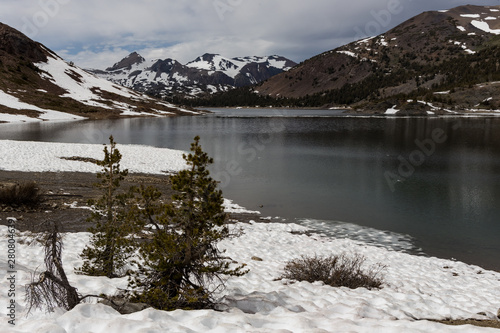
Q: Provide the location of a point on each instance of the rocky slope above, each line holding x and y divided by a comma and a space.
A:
36, 84
448, 58
207, 74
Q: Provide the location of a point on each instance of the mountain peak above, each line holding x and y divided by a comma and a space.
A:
209, 56
133, 58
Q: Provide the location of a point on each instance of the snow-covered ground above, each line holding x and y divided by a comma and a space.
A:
46, 156
415, 287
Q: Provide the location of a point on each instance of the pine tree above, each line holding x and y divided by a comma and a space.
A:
182, 258
109, 246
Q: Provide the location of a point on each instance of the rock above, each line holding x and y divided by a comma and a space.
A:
257, 259
498, 314
123, 306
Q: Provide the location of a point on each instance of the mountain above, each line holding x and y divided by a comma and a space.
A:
36, 84
207, 74
448, 58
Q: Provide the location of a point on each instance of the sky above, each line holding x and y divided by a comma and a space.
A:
99, 33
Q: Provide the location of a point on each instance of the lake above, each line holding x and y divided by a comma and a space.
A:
425, 183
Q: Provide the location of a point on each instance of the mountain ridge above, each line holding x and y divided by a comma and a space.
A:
207, 74
420, 59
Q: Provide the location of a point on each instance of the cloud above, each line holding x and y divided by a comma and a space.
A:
96, 33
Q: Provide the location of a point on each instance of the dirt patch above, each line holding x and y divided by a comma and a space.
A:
474, 322
65, 196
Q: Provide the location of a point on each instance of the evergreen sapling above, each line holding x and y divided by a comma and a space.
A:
182, 260
109, 246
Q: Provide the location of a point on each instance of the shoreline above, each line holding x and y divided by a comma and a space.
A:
201, 111
66, 193
65, 196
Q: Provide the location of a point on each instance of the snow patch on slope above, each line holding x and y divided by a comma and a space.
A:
14, 103
481, 25
81, 85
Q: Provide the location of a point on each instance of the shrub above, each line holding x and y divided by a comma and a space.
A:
21, 194
336, 271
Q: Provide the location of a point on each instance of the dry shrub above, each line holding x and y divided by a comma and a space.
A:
20, 194
336, 271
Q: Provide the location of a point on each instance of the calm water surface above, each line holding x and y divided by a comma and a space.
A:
436, 179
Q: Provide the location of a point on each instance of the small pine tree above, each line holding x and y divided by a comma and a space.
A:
182, 257
109, 248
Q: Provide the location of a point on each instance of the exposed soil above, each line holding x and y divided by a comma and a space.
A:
474, 322
62, 189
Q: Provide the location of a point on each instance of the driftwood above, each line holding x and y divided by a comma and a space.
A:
52, 288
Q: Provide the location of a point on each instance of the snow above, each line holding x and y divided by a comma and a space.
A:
392, 110
461, 28
366, 40
14, 103
82, 86
485, 27
383, 42
415, 288
45, 156
278, 64
173, 106
231, 67
231, 207
349, 53
471, 15
463, 45
179, 77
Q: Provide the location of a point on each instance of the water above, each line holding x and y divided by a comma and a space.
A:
432, 183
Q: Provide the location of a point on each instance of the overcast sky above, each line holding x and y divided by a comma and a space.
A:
98, 33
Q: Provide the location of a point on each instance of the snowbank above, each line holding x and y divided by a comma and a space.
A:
46, 156
415, 288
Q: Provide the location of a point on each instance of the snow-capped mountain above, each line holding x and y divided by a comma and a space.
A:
208, 73
36, 84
